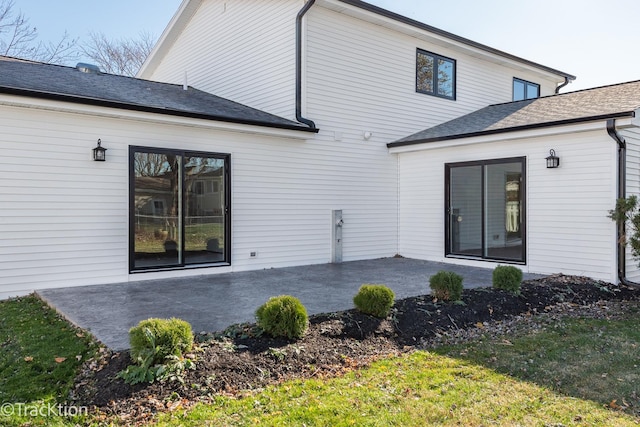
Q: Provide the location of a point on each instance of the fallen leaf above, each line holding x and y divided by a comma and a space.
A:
479, 325
614, 405
79, 334
173, 406
506, 342
60, 359
28, 359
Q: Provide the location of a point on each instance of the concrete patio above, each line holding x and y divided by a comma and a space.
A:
213, 302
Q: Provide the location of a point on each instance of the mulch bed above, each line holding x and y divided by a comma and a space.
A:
239, 360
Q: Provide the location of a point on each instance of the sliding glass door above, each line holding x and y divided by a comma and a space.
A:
179, 208
485, 215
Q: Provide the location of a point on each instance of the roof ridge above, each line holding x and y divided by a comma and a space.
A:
556, 95
8, 58
71, 67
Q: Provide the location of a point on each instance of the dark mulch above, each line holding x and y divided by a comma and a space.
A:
239, 359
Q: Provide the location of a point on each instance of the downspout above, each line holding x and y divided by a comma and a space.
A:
622, 193
566, 82
301, 14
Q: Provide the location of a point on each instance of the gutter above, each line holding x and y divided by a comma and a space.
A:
98, 102
530, 126
566, 82
622, 193
299, 117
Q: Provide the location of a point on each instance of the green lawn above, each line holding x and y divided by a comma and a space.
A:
567, 372
414, 390
592, 359
570, 372
40, 354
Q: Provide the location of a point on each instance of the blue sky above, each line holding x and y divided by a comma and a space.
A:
592, 39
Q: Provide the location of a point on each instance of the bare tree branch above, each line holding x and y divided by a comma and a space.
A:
17, 39
124, 56
64, 51
15, 32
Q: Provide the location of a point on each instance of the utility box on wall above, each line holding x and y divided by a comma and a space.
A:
336, 236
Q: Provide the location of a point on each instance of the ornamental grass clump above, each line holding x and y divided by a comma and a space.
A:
375, 300
283, 316
507, 277
446, 286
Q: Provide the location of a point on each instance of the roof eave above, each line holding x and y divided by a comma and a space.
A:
147, 109
188, 7
420, 25
621, 114
178, 22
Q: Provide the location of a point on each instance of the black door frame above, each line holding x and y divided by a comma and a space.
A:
448, 250
227, 208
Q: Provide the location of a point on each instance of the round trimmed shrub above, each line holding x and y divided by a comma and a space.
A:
507, 277
283, 316
375, 300
446, 286
161, 338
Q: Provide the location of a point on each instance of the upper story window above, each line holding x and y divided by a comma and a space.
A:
523, 89
435, 75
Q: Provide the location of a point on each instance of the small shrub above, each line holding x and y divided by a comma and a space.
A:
144, 372
283, 316
157, 350
627, 212
167, 337
374, 299
446, 286
507, 277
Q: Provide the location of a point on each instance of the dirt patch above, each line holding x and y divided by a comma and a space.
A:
240, 359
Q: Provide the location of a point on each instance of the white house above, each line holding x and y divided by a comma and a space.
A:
254, 127
498, 200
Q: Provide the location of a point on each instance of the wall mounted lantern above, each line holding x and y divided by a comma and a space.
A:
553, 161
99, 153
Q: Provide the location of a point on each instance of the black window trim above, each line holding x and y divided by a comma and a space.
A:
447, 213
227, 233
526, 82
436, 57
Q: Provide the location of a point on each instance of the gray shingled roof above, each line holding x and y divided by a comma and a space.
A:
69, 84
600, 103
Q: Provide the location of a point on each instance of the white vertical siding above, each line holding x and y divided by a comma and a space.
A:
361, 76
567, 226
357, 75
243, 50
632, 137
64, 218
